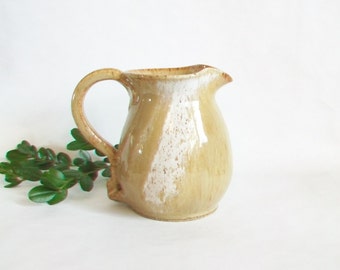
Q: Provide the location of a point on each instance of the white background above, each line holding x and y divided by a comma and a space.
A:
282, 110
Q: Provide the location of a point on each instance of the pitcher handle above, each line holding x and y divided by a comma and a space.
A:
90, 134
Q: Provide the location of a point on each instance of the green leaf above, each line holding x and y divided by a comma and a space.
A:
86, 183
44, 164
28, 173
72, 177
13, 180
88, 167
78, 162
41, 194
64, 158
76, 134
11, 177
75, 145
5, 168
14, 184
53, 179
106, 172
99, 154
42, 153
60, 196
16, 155
80, 142
73, 174
100, 164
46, 154
64, 162
93, 175
85, 155
26, 148
51, 154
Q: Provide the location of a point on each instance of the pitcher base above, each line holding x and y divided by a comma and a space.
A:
175, 219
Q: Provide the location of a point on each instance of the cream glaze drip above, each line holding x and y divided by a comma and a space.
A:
181, 128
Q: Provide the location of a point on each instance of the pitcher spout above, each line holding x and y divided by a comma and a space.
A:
226, 77
217, 77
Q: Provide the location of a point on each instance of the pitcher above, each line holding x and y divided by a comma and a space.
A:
173, 161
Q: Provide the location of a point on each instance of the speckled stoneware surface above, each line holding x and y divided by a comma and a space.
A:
174, 160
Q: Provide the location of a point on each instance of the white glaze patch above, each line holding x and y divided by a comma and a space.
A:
181, 128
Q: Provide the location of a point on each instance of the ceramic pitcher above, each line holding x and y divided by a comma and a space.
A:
173, 161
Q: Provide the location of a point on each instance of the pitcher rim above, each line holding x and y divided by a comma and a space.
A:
172, 72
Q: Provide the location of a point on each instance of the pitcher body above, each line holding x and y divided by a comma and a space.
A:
174, 159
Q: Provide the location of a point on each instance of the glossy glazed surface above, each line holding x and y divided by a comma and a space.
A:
174, 160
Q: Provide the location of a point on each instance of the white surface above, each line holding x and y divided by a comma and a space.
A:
283, 112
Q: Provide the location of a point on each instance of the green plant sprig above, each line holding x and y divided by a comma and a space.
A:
55, 172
